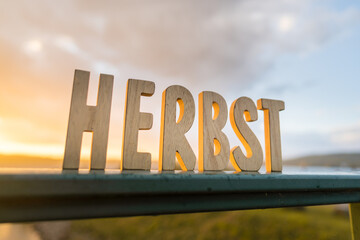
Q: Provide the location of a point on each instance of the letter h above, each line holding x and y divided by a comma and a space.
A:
84, 118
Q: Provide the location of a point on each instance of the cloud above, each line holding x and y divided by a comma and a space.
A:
341, 139
306, 143
347, 137
207, 45
202, 42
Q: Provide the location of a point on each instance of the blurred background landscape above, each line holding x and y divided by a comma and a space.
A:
306, 53
321, 222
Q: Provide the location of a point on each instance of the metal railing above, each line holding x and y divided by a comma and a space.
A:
38, 197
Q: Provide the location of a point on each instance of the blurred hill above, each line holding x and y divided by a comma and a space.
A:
329, 160
24, 161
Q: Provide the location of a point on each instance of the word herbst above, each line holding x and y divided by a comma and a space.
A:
214, 148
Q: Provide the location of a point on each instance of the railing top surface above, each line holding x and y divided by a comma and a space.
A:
55, 183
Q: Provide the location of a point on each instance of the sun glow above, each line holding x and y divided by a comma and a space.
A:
42, 150
33, 46
286, 23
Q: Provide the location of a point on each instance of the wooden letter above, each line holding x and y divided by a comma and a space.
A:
271, 110
210, 133
89, 119
172, 137
254, 155
135, 121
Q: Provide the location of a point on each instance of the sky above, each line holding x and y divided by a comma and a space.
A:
306, 53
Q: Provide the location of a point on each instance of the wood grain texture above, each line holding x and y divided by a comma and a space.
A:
273, 156
253, 160
84, 118
210, 133
135, 121
172, 137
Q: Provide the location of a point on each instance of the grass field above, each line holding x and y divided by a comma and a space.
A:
316, 223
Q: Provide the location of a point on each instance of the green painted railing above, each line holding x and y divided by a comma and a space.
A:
37, 197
